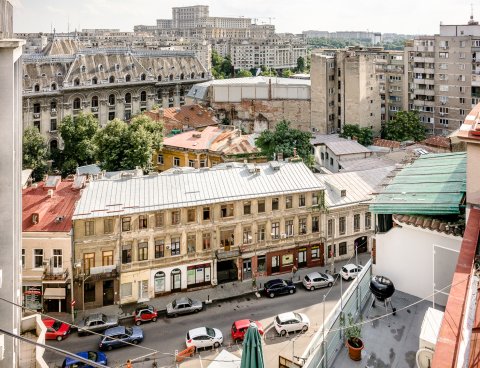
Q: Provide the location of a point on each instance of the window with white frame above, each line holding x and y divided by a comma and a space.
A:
57, 258
443, 88
176, 161
23, 258
160, 159
356, 222
175, 246
37, 258
444, 122
368, 220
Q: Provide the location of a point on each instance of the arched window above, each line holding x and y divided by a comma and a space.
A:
176, 280
159, 282
128, 98
76, 82
84, 69
159, 78
94, 80
54, 86
203, 75
53, 106
192, 76
143, 96
128, 78
170, 77
111, 79
142, 77
100, 67
76, 104
182, 76
159, 94
111, 99
36, 88
53, 144
95, 101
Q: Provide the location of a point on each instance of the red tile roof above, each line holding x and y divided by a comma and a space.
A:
470, 129
431, 223
386, 143
438, 141
193, 140
37, 201
450, 336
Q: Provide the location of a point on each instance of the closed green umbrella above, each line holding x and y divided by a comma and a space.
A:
252, 356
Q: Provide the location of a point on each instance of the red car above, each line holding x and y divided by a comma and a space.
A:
144, 313
56, 330
240, 327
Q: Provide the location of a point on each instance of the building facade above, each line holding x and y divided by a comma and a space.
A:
107, 83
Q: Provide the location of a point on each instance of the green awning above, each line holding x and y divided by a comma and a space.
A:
252, 355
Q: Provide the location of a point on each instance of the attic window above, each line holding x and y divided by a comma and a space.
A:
59, 74
343, 193
100, 67
76, 82
94, 80
54, 86
192, 76
142, 77
111, 79
36, 88
117, 66
83, 69
43, 75
159, 78
133, 66
34, 218
26, 76
170, 77
128, 78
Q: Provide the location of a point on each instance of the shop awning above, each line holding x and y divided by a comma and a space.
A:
54, 293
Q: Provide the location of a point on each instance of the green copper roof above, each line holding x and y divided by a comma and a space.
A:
435, 184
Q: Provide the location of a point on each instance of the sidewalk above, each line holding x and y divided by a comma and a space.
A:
220, 292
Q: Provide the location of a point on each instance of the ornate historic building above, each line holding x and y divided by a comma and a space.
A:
110, 83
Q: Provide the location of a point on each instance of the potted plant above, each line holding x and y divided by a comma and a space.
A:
353, 334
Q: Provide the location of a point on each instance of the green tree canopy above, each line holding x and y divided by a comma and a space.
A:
35, 153
364, 136
405, 126
287, 73
221, 67
77, 133
122, 146
284, 139
242, 73
301, 64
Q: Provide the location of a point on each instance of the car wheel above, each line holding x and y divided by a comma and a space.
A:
291, 291
329, 284
135, 342
154, 319
59, 338
174, 315
271, 295
305, 328
197, 310
312, 288
216, 345
283, 333
138, 323
109, 347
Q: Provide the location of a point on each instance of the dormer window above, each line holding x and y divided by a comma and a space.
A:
117, 66
111, 79
142, 77
192, 76
128, 78
182, 76
83, 69
94, 80
133, 66
36, 88
159, 78
170, 77
100, 67
59, 74
343, 193
54, 87
76, 82
43, 75
26, 76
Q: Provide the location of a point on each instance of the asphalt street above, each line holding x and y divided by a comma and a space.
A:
168, 334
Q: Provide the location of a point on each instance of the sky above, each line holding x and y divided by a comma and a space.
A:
385, 16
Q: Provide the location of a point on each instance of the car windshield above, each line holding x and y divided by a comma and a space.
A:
56, 325
104, 318
92, 356
189, 301
344, 269
284, 283
307, 278
174, 304
324, 275
210, 332
298, 317
128, 330
278, 320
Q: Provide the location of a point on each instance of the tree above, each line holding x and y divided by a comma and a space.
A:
283, 140
364, 136
300, 64
77, 133
242, 73
35, 153
122, 146
221, 67
405, 126
287, 73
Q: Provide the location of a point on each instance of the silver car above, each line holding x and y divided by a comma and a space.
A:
183, 306
315, 280
96, 323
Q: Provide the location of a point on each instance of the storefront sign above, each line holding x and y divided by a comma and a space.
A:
33, 297
287, 259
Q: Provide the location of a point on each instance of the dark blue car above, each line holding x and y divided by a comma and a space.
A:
279, 287
120, 336
97, 357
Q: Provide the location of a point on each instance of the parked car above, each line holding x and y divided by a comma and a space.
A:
56, 330
315, 280
183, 306
350, 271
97, 357
97, 322
278, 287
144, 313
120, 336
240, 327
204, 337
291, 322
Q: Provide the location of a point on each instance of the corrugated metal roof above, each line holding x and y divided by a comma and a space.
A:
434, 184
184, 188
358, 186
346, 147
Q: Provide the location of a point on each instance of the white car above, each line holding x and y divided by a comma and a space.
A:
291, 322
350, 271
204, 337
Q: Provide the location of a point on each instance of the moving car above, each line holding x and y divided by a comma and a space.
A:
56, 330
204, 337
97, 357
144, 313
240, 327
315, 280
183, 306
350, 271
291, 322
96, 323
278, 287
120, 336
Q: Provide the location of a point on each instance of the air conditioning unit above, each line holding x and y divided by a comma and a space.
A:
168, 246
442, 114
283, 236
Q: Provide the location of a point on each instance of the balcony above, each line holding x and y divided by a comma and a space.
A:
168, 260
94, 108
60, 274
36, 115
53, 112
425, 92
